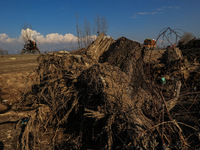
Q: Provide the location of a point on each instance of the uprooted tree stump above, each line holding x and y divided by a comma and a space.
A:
103, 102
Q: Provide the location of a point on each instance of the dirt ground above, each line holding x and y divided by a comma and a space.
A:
16, 77
16, 72
17, 63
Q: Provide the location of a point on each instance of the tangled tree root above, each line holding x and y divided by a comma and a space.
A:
80, 103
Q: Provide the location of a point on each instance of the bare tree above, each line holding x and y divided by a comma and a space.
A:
87, 30
3, 52
104, 25
101, 25
78, 32
6, 52
97, 25
26, 33
83, 38
84, 32
29, 39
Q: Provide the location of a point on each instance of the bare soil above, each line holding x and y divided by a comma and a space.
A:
16, 73
16, 77
17, 63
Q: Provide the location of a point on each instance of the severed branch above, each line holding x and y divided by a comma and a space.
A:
171, 103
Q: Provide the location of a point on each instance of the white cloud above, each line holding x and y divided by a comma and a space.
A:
158, 11
49, 38
4, 38
58, 38
145, 13
166, 8
154, 13
50, 42
142, 13
11, 44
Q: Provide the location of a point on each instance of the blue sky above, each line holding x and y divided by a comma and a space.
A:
134, 19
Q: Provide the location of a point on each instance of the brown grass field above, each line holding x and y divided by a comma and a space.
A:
16, 72
17, 63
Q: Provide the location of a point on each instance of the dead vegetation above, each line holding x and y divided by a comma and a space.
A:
106, 97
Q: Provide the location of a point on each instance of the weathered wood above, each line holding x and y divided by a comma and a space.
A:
101, 45
171, 103
174, 54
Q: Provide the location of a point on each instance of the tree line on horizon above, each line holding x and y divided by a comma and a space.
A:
3, 52
86, 33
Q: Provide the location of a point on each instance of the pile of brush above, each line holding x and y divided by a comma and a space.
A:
100, 97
